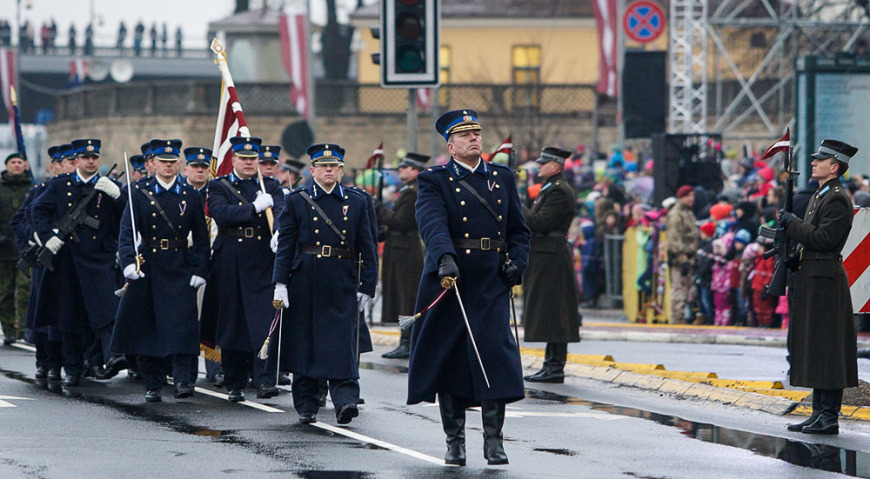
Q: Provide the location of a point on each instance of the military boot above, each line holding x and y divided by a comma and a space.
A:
817, 407
492, 414
555, 372
827, 422
404, 349
453, 421
546, 367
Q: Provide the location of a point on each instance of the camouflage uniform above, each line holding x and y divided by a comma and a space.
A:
683, 237
14, 286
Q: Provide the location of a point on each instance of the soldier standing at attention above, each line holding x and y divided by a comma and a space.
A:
327, 257
84, 263
821, 325
15, 182
403, 252
237, 305
471, 221
550, 311
157, 326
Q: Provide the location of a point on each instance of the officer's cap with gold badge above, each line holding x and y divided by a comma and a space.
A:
835, 149
166, 150
414, 160
67, 152
269, 153
246, 147
87, 147
456, 121
197, 155
552, 153
324, 154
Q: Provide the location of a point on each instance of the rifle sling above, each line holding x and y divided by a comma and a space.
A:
322, 213
234, 191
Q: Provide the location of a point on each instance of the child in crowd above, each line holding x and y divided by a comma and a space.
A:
721, 280
762, 304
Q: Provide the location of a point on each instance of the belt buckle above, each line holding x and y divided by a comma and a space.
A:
164, 244
326, 251
485, 244
249, 232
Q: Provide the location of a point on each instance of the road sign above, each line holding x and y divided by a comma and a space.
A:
643, 21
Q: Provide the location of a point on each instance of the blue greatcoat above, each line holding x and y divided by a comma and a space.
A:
319, 337
79, 294
158, 316
237, 305
442, 356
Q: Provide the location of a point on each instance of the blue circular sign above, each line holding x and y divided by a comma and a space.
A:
643, 21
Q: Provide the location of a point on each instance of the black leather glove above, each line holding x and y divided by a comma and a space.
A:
785, 218
447, 267
510, 274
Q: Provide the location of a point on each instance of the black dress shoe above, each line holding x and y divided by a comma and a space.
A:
41, 373
71, 380
346, 413
113, 366
54, 374
153, 395
547, 377
236, 395
219, 380
402, 352
266, 391
183, 391
98, 372
307, 417
824, 424
284, 379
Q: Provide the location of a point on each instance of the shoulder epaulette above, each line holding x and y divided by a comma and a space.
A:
436, 168
355, 189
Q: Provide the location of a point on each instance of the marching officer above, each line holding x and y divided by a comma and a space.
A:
327, 257
471, 221
403, 252
83, 260
550, 311
821, 325
269, 160
237, 307
157, 318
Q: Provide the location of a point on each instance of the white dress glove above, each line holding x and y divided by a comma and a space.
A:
196, 281
362, 299
131, 273
53, 244
36, 238
108, 187
274, 243
262, 202
281, 294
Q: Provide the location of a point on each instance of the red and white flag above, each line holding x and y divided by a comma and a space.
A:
507, 146
231, 122
78, 70
424, 99
780, 146
7, 80
605, 18
372, 162
294, 51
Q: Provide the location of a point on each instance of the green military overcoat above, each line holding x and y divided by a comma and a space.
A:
550, 309
821, 325
402, 263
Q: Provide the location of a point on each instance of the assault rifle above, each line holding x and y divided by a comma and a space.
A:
28, 258
783, 247
69, 224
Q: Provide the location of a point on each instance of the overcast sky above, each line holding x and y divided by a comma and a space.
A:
192, 15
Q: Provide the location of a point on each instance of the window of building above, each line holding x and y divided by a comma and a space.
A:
526, 74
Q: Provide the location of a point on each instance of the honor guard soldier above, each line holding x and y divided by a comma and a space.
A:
237, 308
471, 221
550, 312
821, 326
15, 183
157, 319
327, 258
403, 252
269, 160
82, 257
149, 157
137, 168
45, 339
196, 169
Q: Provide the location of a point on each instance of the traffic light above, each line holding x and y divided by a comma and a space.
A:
410, 43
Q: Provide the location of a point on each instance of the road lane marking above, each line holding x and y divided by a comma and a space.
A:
379, 443
23, 346
11, 398
600, 417
246, 402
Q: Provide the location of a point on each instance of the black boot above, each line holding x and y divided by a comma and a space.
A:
555, 372
817, 408
492, 414
453, 421
547, 354
827, 422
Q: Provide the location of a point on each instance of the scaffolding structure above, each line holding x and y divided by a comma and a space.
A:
749, 48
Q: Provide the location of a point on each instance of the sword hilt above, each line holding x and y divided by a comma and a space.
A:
448, 282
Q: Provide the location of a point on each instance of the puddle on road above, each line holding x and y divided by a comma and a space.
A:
815, 456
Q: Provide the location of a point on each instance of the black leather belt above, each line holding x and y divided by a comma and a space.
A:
818, 255
166, 243
246, 232
327, 251
483, 244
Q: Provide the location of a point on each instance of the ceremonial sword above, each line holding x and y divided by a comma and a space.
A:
140, 260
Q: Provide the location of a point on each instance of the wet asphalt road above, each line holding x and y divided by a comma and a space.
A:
583, 428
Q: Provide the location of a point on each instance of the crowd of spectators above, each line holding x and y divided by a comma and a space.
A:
156, 43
